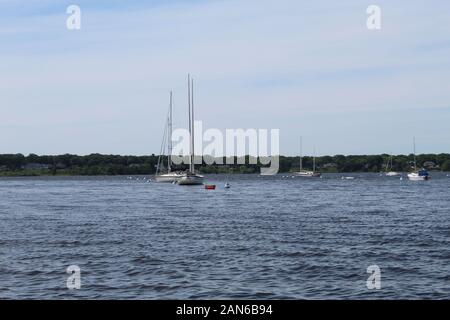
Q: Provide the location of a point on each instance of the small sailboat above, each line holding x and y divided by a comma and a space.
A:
227, 186
389, 167
305, 173
190, 177
167, 140
418, 175
392, 174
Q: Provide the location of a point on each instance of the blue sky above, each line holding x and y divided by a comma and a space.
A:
310, 69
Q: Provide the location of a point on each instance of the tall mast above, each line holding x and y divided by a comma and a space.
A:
415, 161
301, 160
169, 144
314, 160
190, 123
193, 125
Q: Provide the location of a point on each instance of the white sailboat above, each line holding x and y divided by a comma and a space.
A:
418, 175
191, 177
305, 173
389, 166
170, 176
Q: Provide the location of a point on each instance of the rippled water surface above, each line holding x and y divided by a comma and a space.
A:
265, 238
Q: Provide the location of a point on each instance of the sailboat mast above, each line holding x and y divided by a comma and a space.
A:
415, 160
314, 160
190, 127
169, 144
301, 160
193, 125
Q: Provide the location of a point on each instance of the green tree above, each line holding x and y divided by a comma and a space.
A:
446, 165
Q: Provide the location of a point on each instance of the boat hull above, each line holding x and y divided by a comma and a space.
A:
308, 174
168, 178
418, 177
191, 180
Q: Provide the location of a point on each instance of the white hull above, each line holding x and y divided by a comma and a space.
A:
393, 174
308, 174
168, 177
190, 180
416, 177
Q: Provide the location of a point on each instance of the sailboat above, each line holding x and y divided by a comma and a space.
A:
418, 175
170, 176
190, 177
389, 166
305, 173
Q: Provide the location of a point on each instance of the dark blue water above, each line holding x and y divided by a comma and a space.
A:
265, 238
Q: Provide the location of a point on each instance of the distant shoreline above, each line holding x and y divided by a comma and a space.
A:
18, 165
283, 174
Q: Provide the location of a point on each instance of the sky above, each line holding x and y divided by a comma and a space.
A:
309, 68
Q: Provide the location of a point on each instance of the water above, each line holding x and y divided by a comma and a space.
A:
265, 238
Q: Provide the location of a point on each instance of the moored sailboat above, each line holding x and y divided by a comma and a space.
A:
418, 175
306, 173
191, 177
389, 167
170, 176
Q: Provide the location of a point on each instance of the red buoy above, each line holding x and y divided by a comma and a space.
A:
210, 187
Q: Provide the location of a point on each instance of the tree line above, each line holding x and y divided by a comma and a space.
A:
97, 164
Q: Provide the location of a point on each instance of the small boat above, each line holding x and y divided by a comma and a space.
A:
305, 173
392, 174
347, 178
418, 175
389, 166
170, 176
191, 178
227, 186
210, 186
308, 174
